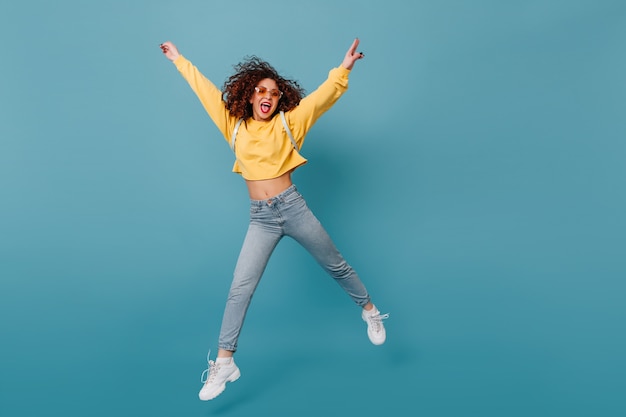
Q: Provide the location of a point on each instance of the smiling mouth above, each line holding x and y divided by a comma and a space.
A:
265, 107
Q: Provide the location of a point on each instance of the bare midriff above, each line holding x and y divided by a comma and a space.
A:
264, 189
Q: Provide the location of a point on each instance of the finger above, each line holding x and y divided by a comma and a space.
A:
355, 45
352, 48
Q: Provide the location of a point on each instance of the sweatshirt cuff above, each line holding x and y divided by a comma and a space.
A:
179, 61
343, 71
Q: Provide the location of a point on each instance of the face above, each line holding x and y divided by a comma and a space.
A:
265, 99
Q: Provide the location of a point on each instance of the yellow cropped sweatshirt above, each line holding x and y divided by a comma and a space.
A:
263, 149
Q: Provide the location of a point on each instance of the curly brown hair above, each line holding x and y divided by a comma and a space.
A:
239, 87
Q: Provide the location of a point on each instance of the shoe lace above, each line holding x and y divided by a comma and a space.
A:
377, 320
209, 374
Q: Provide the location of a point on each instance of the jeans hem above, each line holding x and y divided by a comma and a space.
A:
229, 348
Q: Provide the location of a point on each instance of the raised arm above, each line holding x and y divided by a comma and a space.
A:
208, 94
311, 107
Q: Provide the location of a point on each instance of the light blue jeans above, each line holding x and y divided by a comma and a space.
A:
286, 214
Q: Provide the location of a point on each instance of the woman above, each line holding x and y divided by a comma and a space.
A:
265, 119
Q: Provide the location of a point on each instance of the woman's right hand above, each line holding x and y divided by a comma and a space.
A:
170, 50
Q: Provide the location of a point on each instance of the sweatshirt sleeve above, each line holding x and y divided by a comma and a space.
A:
311, 107
208, 94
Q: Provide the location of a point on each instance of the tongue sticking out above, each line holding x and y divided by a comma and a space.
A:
265, 108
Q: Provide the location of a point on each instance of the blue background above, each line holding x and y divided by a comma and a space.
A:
473, 174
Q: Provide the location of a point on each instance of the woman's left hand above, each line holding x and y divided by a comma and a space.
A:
352, 55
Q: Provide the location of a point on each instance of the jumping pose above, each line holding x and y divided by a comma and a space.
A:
265, 117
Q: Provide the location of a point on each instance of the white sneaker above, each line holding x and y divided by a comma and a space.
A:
375, 327
215, 378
